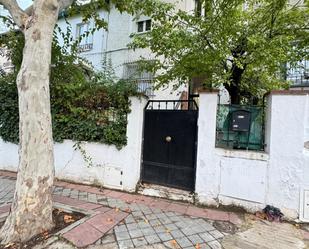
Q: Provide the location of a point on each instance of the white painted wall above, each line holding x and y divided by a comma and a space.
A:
95, 55
110, 165
250, 179
229, 177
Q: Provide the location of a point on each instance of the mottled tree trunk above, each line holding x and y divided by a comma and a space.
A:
31, 210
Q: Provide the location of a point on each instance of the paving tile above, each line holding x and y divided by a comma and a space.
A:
152, 239
137, 213
124, 244
143, 224
160, 204
130, 219
206, 246
139, 242
151, 216
165, 236
195, 211
105, 221
121, 228
133, 226
171, 227
124, 235
215, 245
155, 223
160, 229
67, 201
206, 226
128, 198
141, 199
175, 218
184, 242
177, 234
172, 244
108, 238
165, 221
187, 230
114, 194
148, 231
216, 215
83, 235
179, 208
206, 237
216, 234
102, 209
161, 215
135, 233
89, 206
170, 214
195, 239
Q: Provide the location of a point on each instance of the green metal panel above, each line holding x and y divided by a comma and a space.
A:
251, 140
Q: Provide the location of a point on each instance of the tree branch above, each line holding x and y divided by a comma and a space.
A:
18, 15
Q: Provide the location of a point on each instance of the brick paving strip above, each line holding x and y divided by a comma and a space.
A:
130, 220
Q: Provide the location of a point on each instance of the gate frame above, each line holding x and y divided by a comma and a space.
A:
196, 138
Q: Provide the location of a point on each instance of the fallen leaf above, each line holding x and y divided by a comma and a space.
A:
197, 246
68, 218
109, 220
167, 231
174, 243
117, 209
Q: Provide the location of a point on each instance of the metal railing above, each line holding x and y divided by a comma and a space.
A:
171, 105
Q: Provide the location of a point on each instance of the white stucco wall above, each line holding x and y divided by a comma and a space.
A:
230, 177
95, 55
111, 167
250, 179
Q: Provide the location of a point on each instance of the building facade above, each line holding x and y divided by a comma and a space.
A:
111, 46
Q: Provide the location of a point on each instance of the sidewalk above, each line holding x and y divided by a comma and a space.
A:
122, 220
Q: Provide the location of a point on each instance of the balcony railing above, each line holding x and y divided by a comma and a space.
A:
85, 47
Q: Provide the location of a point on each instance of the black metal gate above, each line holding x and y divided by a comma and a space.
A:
169, 147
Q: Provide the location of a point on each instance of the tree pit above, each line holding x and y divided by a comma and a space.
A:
61, 219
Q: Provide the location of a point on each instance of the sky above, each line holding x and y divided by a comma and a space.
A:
22, 3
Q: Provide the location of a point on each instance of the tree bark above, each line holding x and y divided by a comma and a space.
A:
31, 210
234, 85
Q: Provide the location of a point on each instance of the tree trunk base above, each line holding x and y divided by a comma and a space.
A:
20, 227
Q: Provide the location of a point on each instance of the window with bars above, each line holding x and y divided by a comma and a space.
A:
299, 76
143, 79
83, 32
143, 26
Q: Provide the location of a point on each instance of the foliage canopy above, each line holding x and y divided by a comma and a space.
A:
86, 106
243, 45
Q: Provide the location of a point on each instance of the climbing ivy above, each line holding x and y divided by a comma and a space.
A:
86, 106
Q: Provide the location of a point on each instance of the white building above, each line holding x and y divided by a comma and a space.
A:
112, 46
